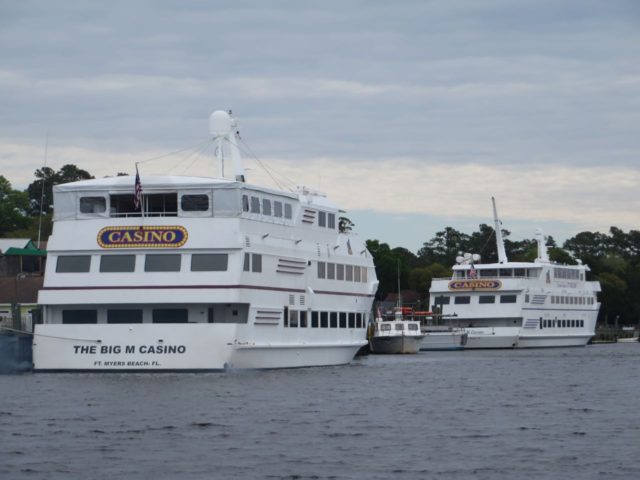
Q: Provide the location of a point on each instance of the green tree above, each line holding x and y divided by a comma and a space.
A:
444, 247
387, 262
420, 280
14, 208
42, 200
345, 225
612, 295
560, 255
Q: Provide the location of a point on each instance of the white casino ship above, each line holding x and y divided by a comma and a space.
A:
211, 273
518, 304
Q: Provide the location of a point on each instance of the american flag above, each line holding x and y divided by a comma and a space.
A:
349, 247
472, 272
137, 191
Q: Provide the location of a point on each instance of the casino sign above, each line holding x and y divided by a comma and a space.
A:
475, 284
143, 237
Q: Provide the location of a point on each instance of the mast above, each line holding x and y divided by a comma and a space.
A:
502, 255
543, 254
224, 130
398, 315
399, 294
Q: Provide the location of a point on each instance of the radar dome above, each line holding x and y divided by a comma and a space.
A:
219, 123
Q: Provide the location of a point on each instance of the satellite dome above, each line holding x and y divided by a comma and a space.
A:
219, 123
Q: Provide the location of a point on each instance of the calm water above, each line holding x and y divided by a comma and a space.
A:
567, 413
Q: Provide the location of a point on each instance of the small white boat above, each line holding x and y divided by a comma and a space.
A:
628, 340
397, 335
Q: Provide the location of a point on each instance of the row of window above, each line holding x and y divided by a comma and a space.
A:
292, 318
327, 220
264, 206
158, 315
300, 319
562, 323
153, 262
386, 327
338, 271
564, 300
498, 272
563, 273
482, 299
155, 204
567, 273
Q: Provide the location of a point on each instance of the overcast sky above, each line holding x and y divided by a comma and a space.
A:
409, 114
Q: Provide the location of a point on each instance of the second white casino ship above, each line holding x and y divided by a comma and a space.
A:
206, 274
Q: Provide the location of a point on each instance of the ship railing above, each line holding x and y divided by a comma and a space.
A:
492, 277
146, 214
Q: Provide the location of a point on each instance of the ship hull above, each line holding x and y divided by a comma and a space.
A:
189, 347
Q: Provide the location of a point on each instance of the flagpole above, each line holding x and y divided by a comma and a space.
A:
138, 201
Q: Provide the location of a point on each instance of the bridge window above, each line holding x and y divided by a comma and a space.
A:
124, 315
161, 204
462, 300
277, 209
170, 315
73, 263
209, 262
331, 271
93, 204
162, 263
266, 206
194, 203
333, 319
508, 298
349, 275
322, 270
79, 316
117, 263
255, 205
487, 299
252, 262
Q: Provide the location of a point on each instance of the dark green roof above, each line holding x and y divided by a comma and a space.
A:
24, 252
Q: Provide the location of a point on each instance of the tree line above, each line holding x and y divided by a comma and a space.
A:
613, 257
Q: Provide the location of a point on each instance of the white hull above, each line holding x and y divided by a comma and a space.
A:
189, 347
500, 337
540, 341
396, 345
451, 340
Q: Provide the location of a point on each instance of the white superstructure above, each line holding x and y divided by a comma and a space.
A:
518, 304
208, 274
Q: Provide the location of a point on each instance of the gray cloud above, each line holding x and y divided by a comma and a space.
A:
493, 83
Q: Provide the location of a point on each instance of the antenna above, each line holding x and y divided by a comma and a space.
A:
46, 150
502, 255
